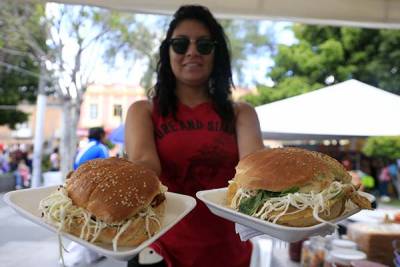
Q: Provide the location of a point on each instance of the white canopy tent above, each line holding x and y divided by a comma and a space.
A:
345, 110
364, 13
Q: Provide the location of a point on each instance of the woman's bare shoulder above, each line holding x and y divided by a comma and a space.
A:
241, 107
145, 106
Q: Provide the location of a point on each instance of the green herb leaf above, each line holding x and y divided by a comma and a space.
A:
290, 190
251, 204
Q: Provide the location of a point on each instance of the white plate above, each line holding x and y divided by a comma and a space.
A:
373, 216
215, 201
26, 203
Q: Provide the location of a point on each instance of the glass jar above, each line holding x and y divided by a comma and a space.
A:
305, 253
313, 252
295, 249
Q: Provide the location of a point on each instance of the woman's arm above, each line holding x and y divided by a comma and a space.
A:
139, 136
248, 131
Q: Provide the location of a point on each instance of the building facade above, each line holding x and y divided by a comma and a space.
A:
107, 105
24, 132
103, 105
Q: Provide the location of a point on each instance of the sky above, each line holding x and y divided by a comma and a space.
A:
256, 70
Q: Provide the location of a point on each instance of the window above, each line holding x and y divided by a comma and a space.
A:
117, 111
93, 111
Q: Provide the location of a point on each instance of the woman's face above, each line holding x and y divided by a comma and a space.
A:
191, 68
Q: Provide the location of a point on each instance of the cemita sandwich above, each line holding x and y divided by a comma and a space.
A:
111, 201
293, 187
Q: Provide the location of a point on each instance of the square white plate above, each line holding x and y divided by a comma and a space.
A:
215, 200
26, 203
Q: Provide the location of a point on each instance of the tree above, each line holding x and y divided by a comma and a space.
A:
71, 35
19, 71
325, 55
387, 147
247, 40
137, 39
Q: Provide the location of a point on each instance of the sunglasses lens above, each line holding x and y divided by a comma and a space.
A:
180, 45
205, 46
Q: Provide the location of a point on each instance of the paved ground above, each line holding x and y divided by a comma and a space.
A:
23, 243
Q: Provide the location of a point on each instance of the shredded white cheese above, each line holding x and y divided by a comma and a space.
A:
301, 201
59, 211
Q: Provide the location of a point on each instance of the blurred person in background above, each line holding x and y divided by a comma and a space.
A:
94, 149
15, 156
384, 181
368, 182
4, 166
18, 151
24, 173
55, 160
394, 174
29, 157
192, 135
355, 174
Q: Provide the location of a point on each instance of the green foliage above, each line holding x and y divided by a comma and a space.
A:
12, 117
387, 147
18, 67
46, 163
341, 53
289, 87
131, 37
110, 145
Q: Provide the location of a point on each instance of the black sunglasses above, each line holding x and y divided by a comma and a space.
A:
181, 44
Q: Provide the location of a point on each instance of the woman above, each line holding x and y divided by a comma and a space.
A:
192, 135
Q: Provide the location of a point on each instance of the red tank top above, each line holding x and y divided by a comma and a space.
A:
197, 152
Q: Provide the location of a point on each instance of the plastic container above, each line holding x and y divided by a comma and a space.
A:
343, 257
343, 244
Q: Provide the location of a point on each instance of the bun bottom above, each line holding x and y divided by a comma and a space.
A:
133, 236
305, 217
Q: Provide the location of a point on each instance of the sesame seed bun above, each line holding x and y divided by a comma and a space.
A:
280, 169
112, 189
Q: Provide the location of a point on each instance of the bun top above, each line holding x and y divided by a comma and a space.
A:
112, 189
280, 169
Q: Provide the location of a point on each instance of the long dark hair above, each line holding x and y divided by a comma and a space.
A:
220, 81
